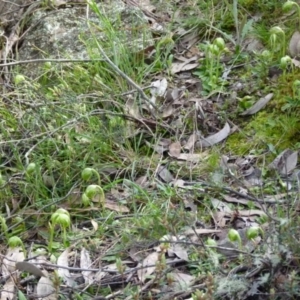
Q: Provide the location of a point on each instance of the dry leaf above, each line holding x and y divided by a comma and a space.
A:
191, 141
132, 109
200, 231
296, 62
175, 149
294, 45
184, 66
85, 263
173, 95
285, 162
215, 138
63, 260
240, 201
142, 181
178, 250
221, 206
112, 205
145, 4
158, 89
179, 183
290, 163
168, 111
94, 224
161, 146
148, 266
198, 106
181, 280
45, 289
251, 212
192, 157
29, 268
219, 218
164, 174
261, 103
57, 3
8, 290
13, 255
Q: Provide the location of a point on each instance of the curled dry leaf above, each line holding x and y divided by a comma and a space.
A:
168, 111
285, 162
200, 231
294, 45
147, 266
29, 268
220, 205
63, 260
290, 163
173, 95
261, 103
184, 66
45, 289
132, 109
192, 157
58, 3
161, 146
85, 263
251, 212
181, 280
142, 181
215, 138
296, 62
112, 205
198, 106
8, 290
220, 219
158, 89
175, 149
180, 252
94, 224
240, 201
164, 174
13, 255
191, 141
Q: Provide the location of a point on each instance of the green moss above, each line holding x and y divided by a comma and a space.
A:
240, 144
266, 128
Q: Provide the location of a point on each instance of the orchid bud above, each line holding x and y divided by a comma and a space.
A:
220, 43
87, 173
234, 236
63, 220
296, 84
214, 49
254, 232
266, 54
14, 242
31, 168
211, 242
92, 190
277, 30
47, 65
19, 79
288, 5
61, 217
86, 201
284, 61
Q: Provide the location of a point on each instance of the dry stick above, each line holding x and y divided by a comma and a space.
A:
43, 60
128, 79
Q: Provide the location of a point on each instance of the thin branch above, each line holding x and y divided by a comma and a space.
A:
43, 60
